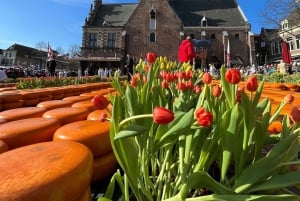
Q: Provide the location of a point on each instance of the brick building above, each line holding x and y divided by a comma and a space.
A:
113, 30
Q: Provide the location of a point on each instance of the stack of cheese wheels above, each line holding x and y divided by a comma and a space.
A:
44, 94
48, 171
11, 100
75, 99
30, 97
67, 114
95, 135
68, 91
52, 104
28, 131
22, 113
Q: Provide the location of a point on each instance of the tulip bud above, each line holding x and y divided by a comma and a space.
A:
252, 84
162, 115
207, 78
289, 98
216, 91
295, 115
233, 76
103, 117
203, 117
100, 102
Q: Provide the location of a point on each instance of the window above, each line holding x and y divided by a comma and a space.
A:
273, 48
152, 37
290, 43
92, 40
276, 50
213, 37
111, 41
237, 37
298, 41
152, 20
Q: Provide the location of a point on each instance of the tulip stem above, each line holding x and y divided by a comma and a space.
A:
135, 117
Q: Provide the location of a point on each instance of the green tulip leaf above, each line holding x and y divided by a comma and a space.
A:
130, 131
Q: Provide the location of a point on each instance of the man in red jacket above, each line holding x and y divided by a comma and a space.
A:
186, 52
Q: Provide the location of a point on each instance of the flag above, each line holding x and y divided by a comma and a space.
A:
286, 55
228, 55
50, 52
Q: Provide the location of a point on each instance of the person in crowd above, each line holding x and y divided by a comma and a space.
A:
186, 51
129, 66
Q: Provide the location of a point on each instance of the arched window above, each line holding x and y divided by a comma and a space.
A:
152, 37
237, 37
152, 20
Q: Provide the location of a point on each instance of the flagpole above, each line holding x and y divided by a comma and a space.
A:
228, 53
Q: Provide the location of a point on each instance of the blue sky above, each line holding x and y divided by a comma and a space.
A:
60, 22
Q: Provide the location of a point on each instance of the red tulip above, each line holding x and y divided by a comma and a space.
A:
197, 89
203, 117
233, 76
207, 78
181, 86
216, 91
151, 57
252, 84
100, 102
295, 115
103, 117
162, 115
239, 94
164, 84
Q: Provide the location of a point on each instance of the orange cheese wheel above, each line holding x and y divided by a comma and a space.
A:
75, 99
30, 102
22, 113
67, 114
28, 94
3, 147
48, 171
28, 131
52, 104
95, 115
10, 96
86, 104
12, 105
93, 134
104, 166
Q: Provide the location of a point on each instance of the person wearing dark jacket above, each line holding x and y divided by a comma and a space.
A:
129, 66
186, 52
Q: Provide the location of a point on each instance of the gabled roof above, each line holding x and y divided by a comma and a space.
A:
114, 14
217, 12
294, 17
24, 50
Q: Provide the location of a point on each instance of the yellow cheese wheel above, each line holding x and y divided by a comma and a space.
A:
3, 147
67, 114
75, 99
48, 171
86, 104
95, 115
104, 166
22, 113
52, 104
93, 134
28, 131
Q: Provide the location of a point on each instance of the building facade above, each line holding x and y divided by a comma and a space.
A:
113, 30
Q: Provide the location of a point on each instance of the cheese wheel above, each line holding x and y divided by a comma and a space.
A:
10, 96
12, 105
30, 102
28, 131
52, 104
75, 99
104, 166
93, 134
86, 104
22, 113
67, 114
87, 195
48, 171
3, 147
28, 93
95, 115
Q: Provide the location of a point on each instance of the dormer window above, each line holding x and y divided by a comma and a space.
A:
284, 24
203, 22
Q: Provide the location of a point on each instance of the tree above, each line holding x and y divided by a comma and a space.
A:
74, 50
41, 45
277, 10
